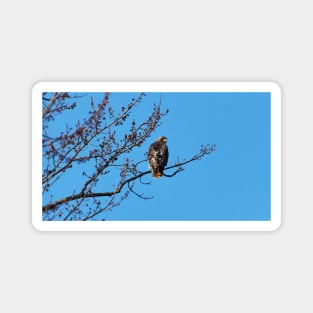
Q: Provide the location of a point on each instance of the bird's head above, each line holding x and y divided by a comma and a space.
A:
162, 139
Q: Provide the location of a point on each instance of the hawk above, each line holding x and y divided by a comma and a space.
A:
158, 156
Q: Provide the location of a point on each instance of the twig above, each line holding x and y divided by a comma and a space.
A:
52, 206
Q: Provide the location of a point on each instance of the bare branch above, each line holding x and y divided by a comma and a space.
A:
180, 169
142, 196
97, 141
51, 206
51, 103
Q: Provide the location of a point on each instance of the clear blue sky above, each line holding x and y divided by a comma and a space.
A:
232, 183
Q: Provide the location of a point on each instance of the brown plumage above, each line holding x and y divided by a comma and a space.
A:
158, 156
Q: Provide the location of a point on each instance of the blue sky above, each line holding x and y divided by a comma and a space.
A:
232, 183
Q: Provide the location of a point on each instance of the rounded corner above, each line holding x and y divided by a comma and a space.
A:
276, 87
276, 226
37, 87
36, 226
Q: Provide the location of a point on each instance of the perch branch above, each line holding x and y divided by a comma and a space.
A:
51, 206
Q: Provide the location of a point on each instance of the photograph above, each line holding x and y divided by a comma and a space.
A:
185, 159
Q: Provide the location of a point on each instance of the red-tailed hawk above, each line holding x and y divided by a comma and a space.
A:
158, 156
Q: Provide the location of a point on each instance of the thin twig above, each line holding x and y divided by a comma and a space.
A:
53, 206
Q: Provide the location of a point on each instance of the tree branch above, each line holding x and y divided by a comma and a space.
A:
205, 150
50, 104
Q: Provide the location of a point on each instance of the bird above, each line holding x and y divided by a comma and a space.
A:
158, 156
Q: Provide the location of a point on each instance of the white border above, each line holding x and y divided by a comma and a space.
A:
271, 87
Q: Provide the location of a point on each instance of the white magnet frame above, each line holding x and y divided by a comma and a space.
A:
270, 225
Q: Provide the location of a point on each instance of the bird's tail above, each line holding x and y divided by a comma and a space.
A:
157, 174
